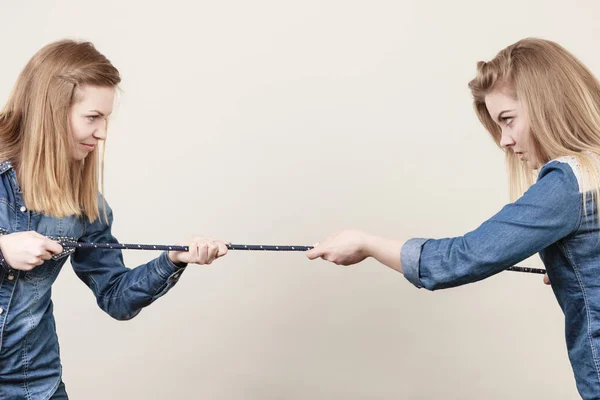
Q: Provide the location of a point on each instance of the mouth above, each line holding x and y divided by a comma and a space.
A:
89, 147
521, 155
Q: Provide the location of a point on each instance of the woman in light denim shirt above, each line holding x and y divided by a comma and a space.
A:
542, 106
50, 130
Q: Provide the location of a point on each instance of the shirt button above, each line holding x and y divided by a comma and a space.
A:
23, 208
11, 277
176, 276
1, 310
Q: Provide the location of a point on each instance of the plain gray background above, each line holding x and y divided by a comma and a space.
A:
278, 122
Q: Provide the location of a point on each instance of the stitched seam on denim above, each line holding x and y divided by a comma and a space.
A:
587, 308
5, 201
92, 280
125, 288
25, 359
56, 385
36, 289
7, 310
49, 273
58, 381
162, 290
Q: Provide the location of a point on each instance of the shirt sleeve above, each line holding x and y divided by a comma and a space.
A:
548, 211
120, 291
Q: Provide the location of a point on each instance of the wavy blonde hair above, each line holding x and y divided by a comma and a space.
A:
35, 132
562, 102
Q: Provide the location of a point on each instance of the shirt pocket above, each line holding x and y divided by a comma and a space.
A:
49, 268
68, 229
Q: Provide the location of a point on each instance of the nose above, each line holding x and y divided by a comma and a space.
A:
100, 133
506, 141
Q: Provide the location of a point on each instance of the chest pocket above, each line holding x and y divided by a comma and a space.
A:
68, 229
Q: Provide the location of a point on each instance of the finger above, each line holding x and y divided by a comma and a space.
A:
46, 255
53, 246
193, 250
34, 262
212, 251
202, 253
37, 234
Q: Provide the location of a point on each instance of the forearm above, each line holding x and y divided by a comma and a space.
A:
386, 251
122, 292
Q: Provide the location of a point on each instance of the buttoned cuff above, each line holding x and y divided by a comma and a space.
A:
167, 269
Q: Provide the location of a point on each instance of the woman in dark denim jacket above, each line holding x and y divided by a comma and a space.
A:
50, 130
542, 107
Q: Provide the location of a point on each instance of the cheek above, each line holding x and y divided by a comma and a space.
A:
521, 134
78, 130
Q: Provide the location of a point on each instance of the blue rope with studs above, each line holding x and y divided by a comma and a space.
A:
123, 246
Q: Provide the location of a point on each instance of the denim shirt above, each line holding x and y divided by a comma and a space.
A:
30, 366
548, 219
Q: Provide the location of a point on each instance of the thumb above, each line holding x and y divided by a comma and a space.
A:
315, 252
546, 279
222, 249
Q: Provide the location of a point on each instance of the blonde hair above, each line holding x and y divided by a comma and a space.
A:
562, 101
35, 133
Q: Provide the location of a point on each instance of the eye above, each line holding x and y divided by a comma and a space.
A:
92, 118
507, 120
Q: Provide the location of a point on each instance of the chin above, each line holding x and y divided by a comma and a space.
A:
79, 157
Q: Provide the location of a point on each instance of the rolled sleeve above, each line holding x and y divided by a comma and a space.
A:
410, 256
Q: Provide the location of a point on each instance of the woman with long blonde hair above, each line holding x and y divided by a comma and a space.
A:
541, 105
50, 132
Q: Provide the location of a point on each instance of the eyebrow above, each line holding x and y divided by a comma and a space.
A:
99, 112
502, 113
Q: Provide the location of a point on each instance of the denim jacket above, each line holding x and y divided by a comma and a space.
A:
548, 219
30, 366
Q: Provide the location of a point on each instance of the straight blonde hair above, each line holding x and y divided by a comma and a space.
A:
35, 132
562, 101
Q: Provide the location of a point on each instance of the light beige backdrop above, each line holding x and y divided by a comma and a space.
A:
281, 122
